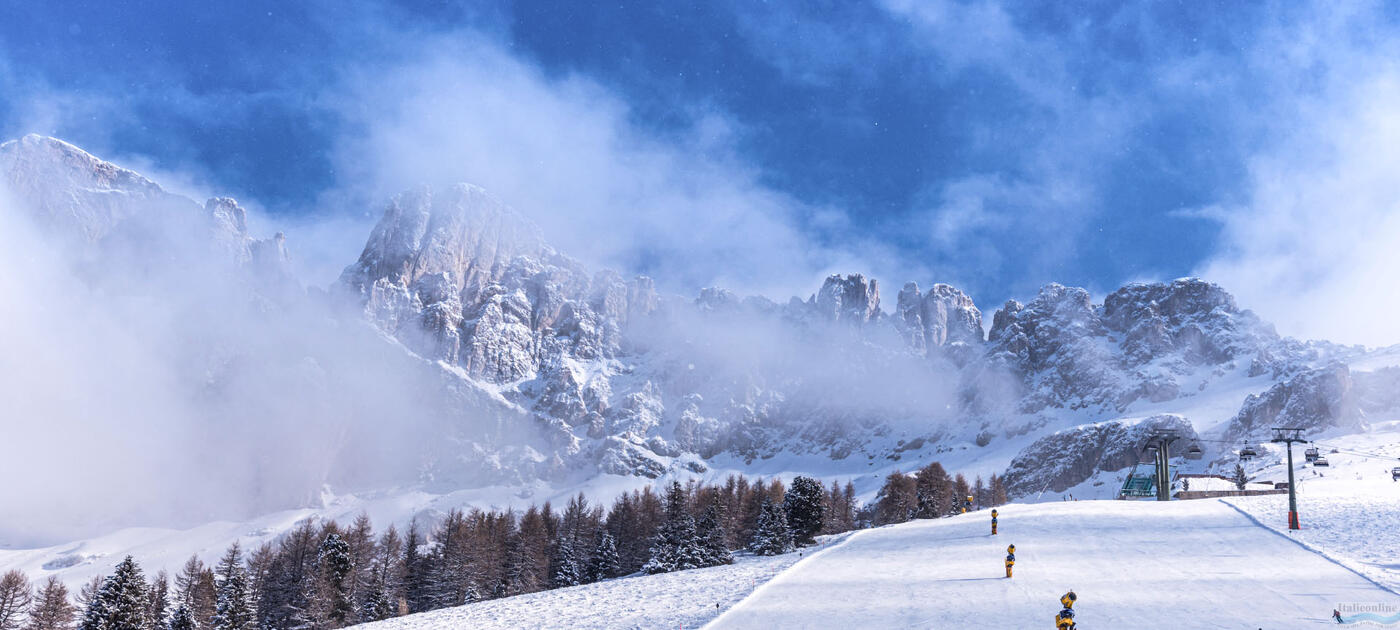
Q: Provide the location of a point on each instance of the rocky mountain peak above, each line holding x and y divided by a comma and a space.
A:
943, 316
851, 299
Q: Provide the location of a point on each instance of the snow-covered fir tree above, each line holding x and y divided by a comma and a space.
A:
803, 504
120, 604
604, 563
772, 536
334, 565
377, 605
158, 595
234, 608
676, 546
713, 537
181, 619
568, 569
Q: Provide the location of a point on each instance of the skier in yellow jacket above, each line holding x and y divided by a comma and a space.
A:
1010, 558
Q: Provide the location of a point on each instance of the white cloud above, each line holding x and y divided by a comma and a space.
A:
565, 152
1314, 245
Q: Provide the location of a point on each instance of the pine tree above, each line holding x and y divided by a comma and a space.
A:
158, 604
568, 571
16, 596
803, 505
998, 490
334, 564
676, 546
51, 610
1240, 478
360, 537
377, 605
712, 536
897, 500
416, 572
181, 619
604, 563
933, 490
772, 536
121, 602
961, 490
233, 608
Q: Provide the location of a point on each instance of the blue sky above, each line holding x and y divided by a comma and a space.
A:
993, 145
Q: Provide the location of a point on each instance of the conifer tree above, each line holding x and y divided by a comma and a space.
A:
604, 563
897, 499
121, 602
933, 491
16, 596
568, 571
803, 505
997, 489
158, 606
377, 606
181, 619
233, 608
676, 546
772, 536
713, 538
961, 490
335, 564
51, 610
415, 568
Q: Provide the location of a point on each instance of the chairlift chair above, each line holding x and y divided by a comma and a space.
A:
1311, 454
1194, 452
1247, 453
1395, 474
1321, 461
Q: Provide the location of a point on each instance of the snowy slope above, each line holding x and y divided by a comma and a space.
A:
1142, 565
680, 600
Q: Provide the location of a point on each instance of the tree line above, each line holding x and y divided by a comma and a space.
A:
323, 575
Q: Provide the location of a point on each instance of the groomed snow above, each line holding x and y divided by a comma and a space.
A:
1141, 565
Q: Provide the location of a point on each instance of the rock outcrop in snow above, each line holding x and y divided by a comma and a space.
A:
1313, 400
1067, 458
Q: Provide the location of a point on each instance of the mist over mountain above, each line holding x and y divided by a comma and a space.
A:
160, 347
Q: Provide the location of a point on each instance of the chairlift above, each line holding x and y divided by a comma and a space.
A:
1149, 454
1395, 474
1247, 453
1321, 461
1311, 454
1194, 452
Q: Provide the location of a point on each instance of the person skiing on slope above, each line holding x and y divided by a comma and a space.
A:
1010, 558
994, 521
1337, 615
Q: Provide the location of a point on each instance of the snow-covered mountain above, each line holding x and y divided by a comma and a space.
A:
492, 358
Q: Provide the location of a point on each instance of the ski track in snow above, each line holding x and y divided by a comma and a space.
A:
1140, 565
